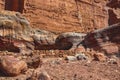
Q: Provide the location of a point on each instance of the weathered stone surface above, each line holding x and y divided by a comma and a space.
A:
106, 39
71, 15
13, 24
15, 32
17, 35
56, 16
69, 40
67, 15
12, 66
44, 39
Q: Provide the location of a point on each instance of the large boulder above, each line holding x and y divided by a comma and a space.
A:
15, 32
44, 40
106, 39
11, 66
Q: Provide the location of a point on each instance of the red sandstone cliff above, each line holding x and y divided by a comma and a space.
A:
67, 15
70, 15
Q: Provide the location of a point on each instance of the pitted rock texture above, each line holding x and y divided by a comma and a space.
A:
106, 39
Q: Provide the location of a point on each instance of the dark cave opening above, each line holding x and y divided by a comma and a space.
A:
14, 5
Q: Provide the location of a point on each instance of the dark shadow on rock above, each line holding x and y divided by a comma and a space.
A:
46, 47
14, 5
112, 17
63, 44
113, 4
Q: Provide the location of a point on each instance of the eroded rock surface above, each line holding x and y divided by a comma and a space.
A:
67, 15
70, 15
106, 39
44, 40
14, 32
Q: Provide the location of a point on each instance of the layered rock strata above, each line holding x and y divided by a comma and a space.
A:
106, 39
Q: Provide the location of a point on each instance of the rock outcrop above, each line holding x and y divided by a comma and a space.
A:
16, 35
15, 32
44, 40
70, 15
106, 39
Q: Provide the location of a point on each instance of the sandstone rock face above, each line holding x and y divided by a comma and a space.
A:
71, 15
61, 16
67, 15
13, 24
106, 39
12, 66
14, 32
16, 35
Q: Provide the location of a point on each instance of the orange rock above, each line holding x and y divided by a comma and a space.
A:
12, 66
100, 56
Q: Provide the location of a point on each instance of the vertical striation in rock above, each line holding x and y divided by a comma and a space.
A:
68, 15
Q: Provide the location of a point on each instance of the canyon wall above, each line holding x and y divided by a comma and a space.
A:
70, 15
67, 15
